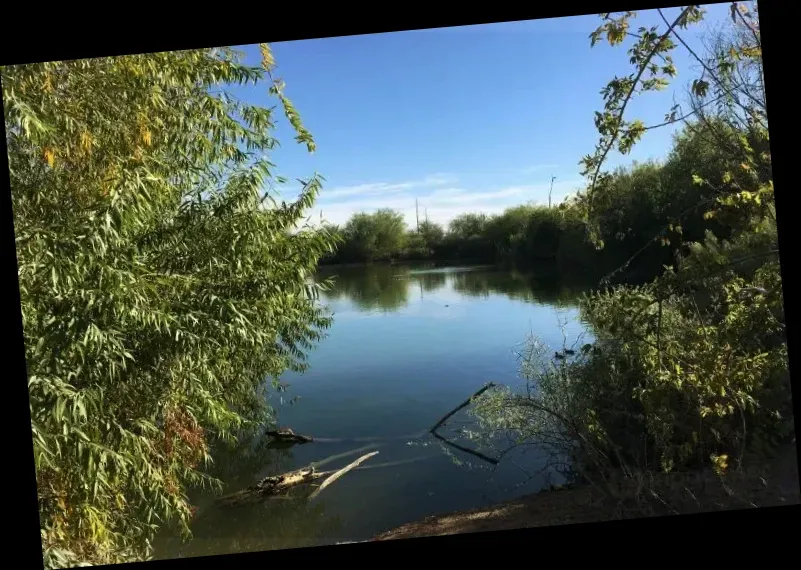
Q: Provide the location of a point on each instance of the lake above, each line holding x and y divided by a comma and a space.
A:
408, 344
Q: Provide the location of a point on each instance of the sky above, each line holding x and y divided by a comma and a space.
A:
465, 119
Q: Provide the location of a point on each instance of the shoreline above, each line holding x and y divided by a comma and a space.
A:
653, 494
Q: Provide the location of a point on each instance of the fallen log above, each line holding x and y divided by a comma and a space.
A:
274, 485
340, 473
271, 485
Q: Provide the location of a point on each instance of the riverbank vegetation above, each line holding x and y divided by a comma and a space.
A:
161, 292
690, 369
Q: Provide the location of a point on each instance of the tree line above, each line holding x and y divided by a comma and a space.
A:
653, 203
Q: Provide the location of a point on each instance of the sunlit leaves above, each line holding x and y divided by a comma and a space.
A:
156, 286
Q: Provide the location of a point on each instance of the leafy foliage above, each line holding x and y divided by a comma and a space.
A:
690, 368
161, 288
369, 237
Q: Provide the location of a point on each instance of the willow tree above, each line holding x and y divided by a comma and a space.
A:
163, 287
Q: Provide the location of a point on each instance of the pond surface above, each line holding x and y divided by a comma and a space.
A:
408, 345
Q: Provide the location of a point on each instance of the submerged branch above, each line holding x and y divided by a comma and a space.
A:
465, 449
460, 406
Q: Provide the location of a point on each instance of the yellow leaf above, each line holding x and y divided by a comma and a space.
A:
50, 156
267, 60
86, 142
147, 136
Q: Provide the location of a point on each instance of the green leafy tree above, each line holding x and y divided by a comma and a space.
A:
374, 236
432, 233
507, 231
467, 226
162, 288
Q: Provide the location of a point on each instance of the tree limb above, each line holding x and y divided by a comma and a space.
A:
340, 473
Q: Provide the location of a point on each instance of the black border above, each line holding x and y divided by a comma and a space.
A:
44, 34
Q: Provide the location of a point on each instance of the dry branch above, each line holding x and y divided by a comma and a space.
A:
340, 473
331, 458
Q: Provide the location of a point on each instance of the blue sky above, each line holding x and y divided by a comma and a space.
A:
467, 119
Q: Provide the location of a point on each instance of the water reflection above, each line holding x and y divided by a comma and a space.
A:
441, 334
378, 287
389, 287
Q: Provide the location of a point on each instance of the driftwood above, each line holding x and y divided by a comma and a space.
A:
271, 485
340, 473
274, 485
460, 406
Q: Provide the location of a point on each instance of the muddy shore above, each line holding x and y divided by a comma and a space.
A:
645, 495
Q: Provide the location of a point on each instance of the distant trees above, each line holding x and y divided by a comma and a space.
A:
432, 233
632, 206
468, 226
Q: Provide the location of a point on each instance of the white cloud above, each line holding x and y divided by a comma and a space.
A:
365, 189
382, 188
443, 204
538, 168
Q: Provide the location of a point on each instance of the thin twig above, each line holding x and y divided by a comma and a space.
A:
700, 60
331, 458
628, 97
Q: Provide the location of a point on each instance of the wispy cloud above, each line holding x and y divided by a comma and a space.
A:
365, 189
539, 168
383, 188
441, 205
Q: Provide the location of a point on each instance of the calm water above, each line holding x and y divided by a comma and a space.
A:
407, 346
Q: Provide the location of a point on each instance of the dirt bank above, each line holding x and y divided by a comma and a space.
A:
645, 495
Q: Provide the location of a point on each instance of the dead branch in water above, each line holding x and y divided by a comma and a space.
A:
272, 485
340, 473
465, 449
331, 458
377, 466
462, 405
